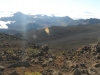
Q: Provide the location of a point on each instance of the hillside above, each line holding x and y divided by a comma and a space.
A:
69, 35
20, 57
64, 31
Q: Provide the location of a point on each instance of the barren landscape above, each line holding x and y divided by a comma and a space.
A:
49, 45
21, 57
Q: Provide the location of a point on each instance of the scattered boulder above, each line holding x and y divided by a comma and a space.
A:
50, 60
45, 72
14, 73
83, 65
84, 71
19, 64
45, 63
26, 58
1, 59
36, 61
60, 73
45, 49
74, 65
76, 72
93, 53
40, 58
53, 56
98, 56
15, 58
1, 69
96, 65
55, 72
98, 49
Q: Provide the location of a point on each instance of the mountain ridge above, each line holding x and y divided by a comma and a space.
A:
39, 21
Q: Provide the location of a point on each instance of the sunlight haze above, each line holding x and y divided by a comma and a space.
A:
72, 8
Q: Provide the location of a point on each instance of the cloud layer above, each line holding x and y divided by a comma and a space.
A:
3, 25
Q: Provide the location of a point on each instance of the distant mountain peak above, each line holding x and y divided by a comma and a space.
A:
22, 20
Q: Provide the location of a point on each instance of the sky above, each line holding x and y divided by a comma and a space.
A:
73, 8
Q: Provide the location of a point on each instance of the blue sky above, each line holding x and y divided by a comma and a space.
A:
72, 8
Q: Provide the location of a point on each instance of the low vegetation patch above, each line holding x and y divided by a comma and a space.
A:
33, 73
10, 51
31, 51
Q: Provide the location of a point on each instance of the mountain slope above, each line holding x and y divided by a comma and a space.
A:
66, 36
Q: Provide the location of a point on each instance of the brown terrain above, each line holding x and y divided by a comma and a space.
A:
19, 56
66, 37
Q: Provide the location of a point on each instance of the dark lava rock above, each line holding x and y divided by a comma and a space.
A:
76, 72
1, 69
50, 60
14, 73
1, 58
19, 64
84, 71
36, 61
74, 65
45, 63
96, 65
83, 65
98, 56
15, 58
98, 49
44, 72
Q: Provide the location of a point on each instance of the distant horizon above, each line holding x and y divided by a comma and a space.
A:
49, 15
3, 24
10, 14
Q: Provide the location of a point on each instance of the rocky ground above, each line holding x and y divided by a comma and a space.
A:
20, 57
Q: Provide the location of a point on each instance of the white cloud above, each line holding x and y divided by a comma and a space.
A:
3, 25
